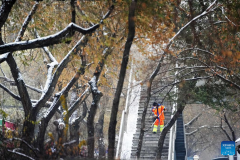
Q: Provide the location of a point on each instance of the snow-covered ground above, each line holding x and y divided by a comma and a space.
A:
131, 121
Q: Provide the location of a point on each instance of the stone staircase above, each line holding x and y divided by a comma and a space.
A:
150, 140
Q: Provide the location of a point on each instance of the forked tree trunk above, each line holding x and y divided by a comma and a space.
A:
91, 115
96, 94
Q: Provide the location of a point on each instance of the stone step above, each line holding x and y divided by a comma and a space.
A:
151, 140
149, 133
148, 140
153, 154
155, 143
150, 121
150, 157
150, 153
151, 147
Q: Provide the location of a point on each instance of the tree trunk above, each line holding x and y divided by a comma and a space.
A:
96, 94
44, 123
75, 125
113, 122
167, 127
30, 115
91, 115
99, 131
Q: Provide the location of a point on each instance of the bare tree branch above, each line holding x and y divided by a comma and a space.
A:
230, 127
225, 132
28, 145
5, 10
21, 154
26, 22
193, 120
201, 127
223, 12
10, 92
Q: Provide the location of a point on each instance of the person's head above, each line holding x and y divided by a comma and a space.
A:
155, 104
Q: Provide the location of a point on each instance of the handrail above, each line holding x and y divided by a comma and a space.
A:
172, 137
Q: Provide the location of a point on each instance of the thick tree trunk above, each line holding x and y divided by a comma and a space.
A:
96, 94
41, 133
99, 131
75, 124
44, 123
5, 10
113, 122
91, 115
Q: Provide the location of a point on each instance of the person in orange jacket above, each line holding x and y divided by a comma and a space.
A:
158, 112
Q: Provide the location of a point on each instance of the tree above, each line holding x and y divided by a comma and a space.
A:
31, 107
112, 125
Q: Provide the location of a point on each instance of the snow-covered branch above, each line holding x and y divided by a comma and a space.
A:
48, 53
201, 127
69, 143
196, 49
26, 22
5, 10
80, 100
34, 88
80, 118
193, 120
3, 57
21, 154
29, 146
218, 75
208, 10
223, 12
10, 92
179, 81
52, 80
51, 39
2, 71
13, 83
227, 80
25, 98
45, 41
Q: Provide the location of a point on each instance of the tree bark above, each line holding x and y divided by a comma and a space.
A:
91, 115
99, 131
128, 44
74, 126
96, 94
5, 10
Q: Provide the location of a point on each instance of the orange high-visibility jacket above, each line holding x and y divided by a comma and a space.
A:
159, 113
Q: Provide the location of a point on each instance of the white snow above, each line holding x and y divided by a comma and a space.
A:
132, 121
19, 77
4, 56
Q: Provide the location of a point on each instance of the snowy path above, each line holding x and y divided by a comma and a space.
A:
132, 121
